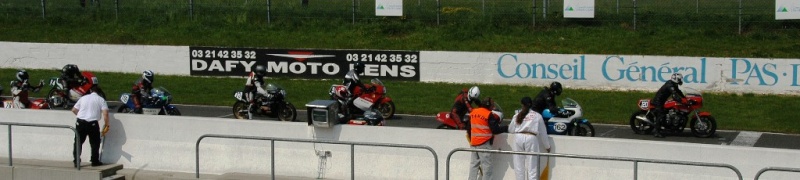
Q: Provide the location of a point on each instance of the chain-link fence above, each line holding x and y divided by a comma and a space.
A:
735, 15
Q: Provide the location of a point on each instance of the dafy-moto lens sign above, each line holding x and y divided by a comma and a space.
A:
306, 64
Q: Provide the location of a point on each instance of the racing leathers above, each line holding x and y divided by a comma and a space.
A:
141, 92
351, 81
19, 92
461, 106
669, 88
254, 88
546, 100
72, 80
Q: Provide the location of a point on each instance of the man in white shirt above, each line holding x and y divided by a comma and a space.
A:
89, 110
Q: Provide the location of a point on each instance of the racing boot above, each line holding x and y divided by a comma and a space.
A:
657, 130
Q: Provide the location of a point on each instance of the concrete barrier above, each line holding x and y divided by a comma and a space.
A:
167, 143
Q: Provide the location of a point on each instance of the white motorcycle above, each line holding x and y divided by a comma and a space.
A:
574, 124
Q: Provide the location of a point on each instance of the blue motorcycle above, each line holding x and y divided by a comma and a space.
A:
159, 104
572, 124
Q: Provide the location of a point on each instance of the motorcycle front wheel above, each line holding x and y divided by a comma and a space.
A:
124, 109
638, 126
240, 110
288, 113
583, 130
704, 127
54, 99
387, 109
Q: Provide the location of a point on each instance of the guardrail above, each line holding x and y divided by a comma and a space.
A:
784, 169
272, 150
10, 153
634, 160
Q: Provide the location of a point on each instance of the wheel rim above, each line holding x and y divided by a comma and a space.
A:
386, 110
238, 110
286, 113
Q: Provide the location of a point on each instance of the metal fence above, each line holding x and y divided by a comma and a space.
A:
783, 169
10, 153
635, 161
352, 150
735, 15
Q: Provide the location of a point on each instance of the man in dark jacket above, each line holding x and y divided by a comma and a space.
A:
546, 99
670, 88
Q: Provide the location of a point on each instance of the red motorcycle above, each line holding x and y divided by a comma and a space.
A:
678, 115
449, 123
369, 99
60, 96
14, 103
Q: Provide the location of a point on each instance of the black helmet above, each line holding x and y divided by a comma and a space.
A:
260, 71
70, 69
148, 76
358, 67
22, 75
555, 88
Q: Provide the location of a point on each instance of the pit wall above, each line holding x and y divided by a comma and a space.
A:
167, 143
604, 72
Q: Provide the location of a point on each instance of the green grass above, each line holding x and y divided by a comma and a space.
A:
670, 28
733, 112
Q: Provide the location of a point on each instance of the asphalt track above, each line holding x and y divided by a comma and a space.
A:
722, 137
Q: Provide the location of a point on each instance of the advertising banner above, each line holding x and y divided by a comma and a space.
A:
578, 8
787, 9
305, 63
388, 7
615, 72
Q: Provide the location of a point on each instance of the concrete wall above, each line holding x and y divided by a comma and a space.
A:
165, 143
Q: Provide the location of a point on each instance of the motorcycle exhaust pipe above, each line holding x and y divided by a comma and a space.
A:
644, 119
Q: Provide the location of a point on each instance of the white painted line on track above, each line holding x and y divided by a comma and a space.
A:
225, 116
746, 138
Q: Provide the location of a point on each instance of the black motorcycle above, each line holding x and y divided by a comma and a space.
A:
274, 104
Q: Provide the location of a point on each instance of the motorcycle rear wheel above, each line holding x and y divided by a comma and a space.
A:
387, 109
583, 130
173, 112
705, 127
240, 110
288, 113
638, 126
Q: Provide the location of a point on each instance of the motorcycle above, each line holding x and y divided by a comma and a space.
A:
35, 103
678, 114
449, 123
573, 124
60, 96
374, 96
274, 105
158, 105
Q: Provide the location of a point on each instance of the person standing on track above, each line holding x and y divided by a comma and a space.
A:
88, 111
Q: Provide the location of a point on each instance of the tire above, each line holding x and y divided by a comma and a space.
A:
387, 109
174, 112
124, 109
54, 99
288, 113
240, 110
704, 127
637, 126
583, 130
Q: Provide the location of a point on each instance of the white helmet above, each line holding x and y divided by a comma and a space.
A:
474, 93
677, 78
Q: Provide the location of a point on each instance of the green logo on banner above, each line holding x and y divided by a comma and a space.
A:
782, 9
569, 9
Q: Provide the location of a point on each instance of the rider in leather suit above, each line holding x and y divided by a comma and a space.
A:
141, 90
670, 88
463, 103
546, 99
